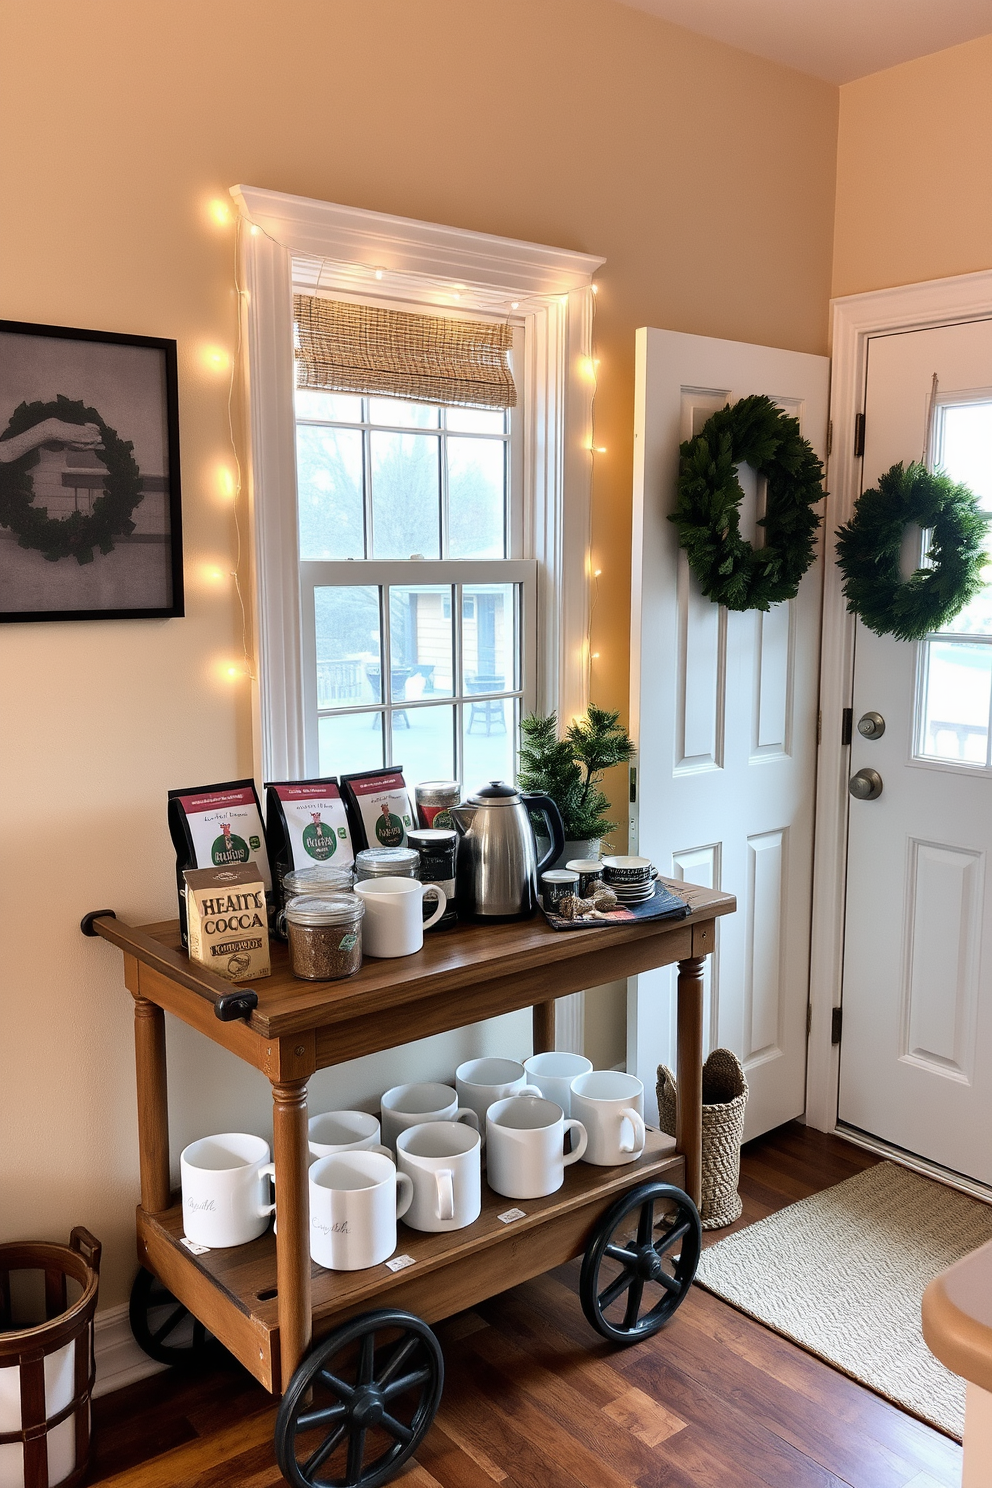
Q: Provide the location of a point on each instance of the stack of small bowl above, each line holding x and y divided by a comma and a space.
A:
631, 879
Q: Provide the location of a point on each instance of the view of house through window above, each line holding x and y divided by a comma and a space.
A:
414, 608
955, 684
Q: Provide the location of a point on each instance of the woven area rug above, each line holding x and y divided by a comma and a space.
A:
843, 1274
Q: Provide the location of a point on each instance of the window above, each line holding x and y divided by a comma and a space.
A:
493, 617
954, 692
400, 492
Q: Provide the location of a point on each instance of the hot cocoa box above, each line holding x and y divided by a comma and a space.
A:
226, 915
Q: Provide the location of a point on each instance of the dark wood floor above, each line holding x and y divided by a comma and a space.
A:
534, 1400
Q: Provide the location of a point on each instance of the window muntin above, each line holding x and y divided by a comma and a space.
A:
954, 684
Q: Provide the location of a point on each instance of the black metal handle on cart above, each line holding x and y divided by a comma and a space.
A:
227, 1005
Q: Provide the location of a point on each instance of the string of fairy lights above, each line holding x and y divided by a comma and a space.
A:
411, 286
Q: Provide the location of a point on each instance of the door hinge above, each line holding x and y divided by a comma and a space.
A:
859, 435
836, 1019
830, 437
846, 725
809, 1019
633, 783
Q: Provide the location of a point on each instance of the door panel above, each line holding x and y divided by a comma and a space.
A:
916, 1053
723, 709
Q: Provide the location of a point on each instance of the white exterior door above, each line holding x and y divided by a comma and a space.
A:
724, 710
916, 1051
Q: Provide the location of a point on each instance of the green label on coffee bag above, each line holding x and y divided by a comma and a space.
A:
228, 848
318, 839
389, 829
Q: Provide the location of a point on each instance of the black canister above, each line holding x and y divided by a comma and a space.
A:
437, 850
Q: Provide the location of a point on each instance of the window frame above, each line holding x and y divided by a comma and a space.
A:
290, 244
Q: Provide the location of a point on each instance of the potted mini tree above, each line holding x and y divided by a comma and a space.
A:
570, 771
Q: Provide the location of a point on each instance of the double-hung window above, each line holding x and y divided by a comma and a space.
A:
418, 610
421, 556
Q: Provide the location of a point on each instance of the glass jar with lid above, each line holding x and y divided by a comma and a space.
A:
321, 878
387, 862
434, 801
325, 935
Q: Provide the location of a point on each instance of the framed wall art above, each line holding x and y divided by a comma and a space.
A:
90, 514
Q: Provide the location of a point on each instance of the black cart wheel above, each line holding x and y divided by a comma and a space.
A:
640, 1263
360, 1403
165, 1329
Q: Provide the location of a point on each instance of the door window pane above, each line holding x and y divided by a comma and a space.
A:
424, 742
349, 741
406, 495
348, 646
489, 731
421, 641
955, 723
489, 640
476, 500
965, 446
329, 473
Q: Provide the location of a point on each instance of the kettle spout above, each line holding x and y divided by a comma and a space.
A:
462, 816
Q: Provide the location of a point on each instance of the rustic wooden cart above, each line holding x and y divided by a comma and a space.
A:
265, 1302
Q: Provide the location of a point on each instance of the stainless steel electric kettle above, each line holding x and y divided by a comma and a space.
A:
497, 867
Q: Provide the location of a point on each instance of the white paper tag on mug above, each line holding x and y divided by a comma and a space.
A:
400, 1263
194, 1248
509, 1215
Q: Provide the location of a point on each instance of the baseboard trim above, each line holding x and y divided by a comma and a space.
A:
119, 1360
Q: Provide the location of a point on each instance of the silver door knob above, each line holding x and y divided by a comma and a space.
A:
866, 785
871, 725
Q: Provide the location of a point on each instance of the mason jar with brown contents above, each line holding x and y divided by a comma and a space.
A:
325, 936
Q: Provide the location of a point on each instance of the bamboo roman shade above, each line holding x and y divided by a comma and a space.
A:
365, 349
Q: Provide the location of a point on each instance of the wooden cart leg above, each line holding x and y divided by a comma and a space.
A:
689, 1106
544, 1026
153, 1105
290, 1153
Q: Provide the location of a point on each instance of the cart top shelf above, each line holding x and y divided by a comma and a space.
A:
462, 975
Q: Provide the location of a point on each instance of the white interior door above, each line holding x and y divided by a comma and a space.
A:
916, 1051
723, 710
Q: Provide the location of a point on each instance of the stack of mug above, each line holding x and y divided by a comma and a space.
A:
423, 1163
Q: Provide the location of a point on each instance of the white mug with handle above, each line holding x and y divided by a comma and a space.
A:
553, 1073
525, 1141
610, 1104
355, 1200
225, 1189
394, 921
344, 1131
443, 1160
412, 1105
480, 1082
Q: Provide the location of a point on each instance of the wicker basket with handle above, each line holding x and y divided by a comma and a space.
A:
724, 1099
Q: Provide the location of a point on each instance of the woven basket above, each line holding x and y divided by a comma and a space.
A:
724, 1099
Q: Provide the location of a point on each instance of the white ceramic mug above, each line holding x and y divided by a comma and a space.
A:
443, 1159
344, 1131
553, 1074
480, 1082
411, 1105
225, 1189
355, 1201
525, 1141
394, 921
610, 1105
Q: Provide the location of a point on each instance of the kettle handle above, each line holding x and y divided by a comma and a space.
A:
534, 800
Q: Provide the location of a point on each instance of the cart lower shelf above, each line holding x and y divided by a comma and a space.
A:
234, 1293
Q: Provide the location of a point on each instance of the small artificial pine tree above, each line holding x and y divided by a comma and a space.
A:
570, 770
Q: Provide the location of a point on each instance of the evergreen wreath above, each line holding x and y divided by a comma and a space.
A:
868, 549
77, 535
730, 571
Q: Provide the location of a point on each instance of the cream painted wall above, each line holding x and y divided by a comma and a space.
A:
706, 178
914, 164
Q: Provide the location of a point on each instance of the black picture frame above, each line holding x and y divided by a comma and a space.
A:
77, 563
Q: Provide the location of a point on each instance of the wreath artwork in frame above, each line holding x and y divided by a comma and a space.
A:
90, 512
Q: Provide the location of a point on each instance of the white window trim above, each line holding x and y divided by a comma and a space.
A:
420, 262
856, 318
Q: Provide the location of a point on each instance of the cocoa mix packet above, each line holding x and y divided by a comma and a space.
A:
379, 807
213, 826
